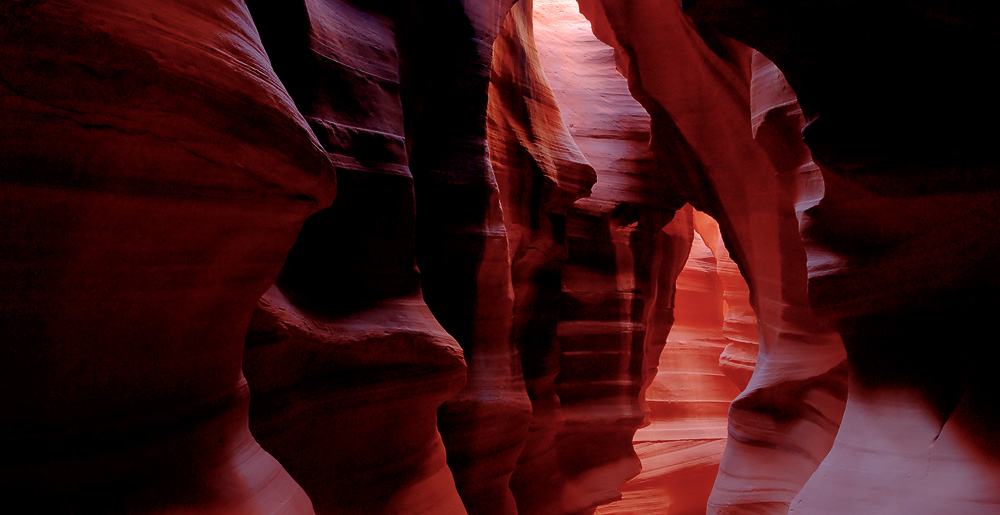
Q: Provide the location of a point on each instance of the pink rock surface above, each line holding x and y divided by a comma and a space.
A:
540, 172
618, 280
688, 400
697, 88
739, 325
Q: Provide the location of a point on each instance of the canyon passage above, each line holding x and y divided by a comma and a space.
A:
487, 257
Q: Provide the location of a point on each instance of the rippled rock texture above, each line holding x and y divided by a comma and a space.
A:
461, 245
402, 113
696, 87
612, 281
468, 256
346, 363
540, 173
191, 161
894, 119
155, 174
688, 399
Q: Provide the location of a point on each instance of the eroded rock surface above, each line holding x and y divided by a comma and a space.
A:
540, 172
696, 87
461, 245
346, 363
536, 248
155, 174
616, 285
907, 170
688, 400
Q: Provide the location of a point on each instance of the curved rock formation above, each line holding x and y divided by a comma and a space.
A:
617, 282
908, 170
696, 87
540, 172
688, 399
445, 50
739, 325
155, 174
361, 73
346, 364
538, 246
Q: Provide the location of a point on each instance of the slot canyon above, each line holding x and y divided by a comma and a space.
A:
499, 257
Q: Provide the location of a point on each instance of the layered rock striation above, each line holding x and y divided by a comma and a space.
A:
907, 170
186, 154
346, 363
461, 246
616, 280
696, 87
688, 400
540, 172
531, 280
155, 174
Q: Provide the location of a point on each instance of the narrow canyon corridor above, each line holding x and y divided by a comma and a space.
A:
499, 257
688, 400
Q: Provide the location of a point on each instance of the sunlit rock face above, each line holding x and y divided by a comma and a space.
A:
688, 400
540, 172
154, 175
617, 285
903, 243
696, 87
619, 298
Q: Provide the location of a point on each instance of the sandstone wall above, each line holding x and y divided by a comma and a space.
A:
696, 87
155, 175
907, 167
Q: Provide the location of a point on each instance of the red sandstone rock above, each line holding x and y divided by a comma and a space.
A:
908, 169
445, 49
618, 281
688, 399
540, 173
155, 174
691, 390
348, 402
739, 327
696, 87
346, 364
